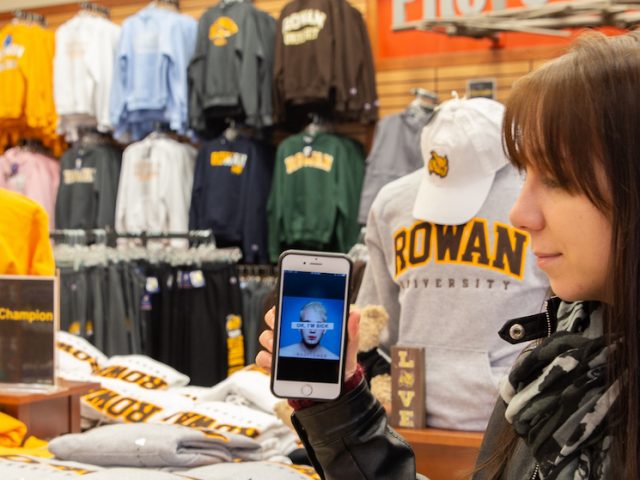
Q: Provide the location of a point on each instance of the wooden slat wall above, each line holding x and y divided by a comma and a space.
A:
394, 85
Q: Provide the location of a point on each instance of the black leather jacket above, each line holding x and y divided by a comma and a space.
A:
521, 464
349, 439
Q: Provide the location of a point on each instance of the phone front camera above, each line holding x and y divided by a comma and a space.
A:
304, 263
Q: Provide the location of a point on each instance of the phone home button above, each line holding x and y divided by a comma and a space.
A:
306, 390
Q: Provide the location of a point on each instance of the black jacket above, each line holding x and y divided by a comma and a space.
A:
350, 439
521, 464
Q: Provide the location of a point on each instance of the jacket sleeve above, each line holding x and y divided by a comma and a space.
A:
107, 188
252, 54
277, 84
348, 189
41, 254
274, 206
267, 38
178, 53
63, 92
195, 77
350, 438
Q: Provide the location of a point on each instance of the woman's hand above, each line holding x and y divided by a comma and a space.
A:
263, 359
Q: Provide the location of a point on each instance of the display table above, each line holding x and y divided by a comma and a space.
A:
47, 415
443, 454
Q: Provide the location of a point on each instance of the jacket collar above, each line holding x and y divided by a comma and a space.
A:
532, 327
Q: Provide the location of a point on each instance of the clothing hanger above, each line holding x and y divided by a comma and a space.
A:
424, 104
173, 5
95, 9
22, 16
232, 131
317, 125
161, 130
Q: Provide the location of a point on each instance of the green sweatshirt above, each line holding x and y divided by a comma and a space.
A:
315, 193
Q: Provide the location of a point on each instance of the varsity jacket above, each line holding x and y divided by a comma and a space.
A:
350, 438
315, 193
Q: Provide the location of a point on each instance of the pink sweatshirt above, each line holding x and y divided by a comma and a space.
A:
34, 175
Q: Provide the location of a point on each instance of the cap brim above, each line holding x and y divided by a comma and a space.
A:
451, 205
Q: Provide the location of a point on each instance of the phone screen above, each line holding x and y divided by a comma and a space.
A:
312, 316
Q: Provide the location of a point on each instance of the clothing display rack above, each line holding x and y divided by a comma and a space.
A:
95, 8
256, 270
30, 17
84, 237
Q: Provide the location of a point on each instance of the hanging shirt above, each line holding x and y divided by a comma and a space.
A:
83, 71
395, 153
323, 61
32, 174
230, 190
449, 289
150, 77
315, 193
89, 179
25, 248
238, 36
155, 186
27, 109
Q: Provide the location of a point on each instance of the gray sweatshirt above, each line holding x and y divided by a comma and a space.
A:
229, 36
451, 294
395, 153
153, 445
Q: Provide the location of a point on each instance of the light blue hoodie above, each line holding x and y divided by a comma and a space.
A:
150, 74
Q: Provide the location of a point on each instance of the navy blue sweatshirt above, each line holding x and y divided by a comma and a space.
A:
230, 190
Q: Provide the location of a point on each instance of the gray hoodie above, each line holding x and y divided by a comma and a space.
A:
452, 293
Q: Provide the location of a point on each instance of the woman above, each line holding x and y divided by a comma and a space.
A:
569, 408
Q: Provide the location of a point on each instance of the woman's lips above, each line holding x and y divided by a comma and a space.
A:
546, 259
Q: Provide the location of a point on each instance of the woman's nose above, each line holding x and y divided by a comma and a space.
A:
526, 213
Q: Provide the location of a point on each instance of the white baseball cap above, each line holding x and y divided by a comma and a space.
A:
462, 151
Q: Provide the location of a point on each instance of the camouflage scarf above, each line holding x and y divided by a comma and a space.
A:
558, 398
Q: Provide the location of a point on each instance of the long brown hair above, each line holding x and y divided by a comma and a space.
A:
577, 121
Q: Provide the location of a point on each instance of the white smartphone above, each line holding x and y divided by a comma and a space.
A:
311, 325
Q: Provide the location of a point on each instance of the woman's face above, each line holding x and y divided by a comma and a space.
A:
570, 238
312, 336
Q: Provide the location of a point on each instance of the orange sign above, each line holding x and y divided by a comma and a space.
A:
413, 43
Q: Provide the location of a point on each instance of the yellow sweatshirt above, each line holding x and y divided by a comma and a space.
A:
25, 248
27, 109
14, 440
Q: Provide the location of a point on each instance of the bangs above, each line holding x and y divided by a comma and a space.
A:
550, 125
